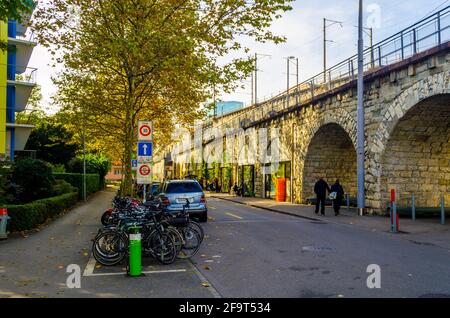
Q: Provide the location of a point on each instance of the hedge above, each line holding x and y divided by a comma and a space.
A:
29, 216
76, 179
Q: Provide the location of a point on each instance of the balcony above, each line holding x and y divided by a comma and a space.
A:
21, 133
24, 84
24, 46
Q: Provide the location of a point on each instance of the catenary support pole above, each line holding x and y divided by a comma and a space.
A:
360, 115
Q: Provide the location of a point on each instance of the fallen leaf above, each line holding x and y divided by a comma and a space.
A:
207, 268
98, 266
60, 266
52, 238
205, 284
203, 255
86, 254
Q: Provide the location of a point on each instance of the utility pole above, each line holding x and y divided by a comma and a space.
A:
325, 26
360, 113
252, 86
369, 32
256, 78
84, 160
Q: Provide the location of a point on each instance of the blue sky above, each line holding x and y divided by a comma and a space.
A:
303, 28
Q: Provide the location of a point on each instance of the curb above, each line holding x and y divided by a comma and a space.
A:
271, 210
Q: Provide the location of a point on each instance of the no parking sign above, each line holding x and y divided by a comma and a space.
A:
144, 173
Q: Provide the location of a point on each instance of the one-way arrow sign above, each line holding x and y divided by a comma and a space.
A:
145, 151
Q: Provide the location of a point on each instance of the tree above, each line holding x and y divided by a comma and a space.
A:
148, 59
34, 113
33, 178
53, 143
14, 10
98, 164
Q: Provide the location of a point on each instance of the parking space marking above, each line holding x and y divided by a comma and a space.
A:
143, 272
233, 215
89, 270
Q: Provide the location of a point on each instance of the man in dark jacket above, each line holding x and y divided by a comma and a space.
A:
337, 202
320, 189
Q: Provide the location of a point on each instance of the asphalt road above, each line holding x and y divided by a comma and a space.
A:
247, 252
265, 254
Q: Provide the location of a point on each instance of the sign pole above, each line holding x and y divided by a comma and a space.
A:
144, 198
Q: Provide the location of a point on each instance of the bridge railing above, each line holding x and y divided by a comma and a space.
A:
421, 36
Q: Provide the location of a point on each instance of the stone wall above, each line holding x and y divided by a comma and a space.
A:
397, 120
417, 155
330, 155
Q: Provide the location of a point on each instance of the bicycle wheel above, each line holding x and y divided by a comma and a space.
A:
162, 247
105, 218
194, 225
192, 242
176, 236
109, 248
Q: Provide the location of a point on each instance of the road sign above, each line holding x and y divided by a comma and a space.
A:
144, 173
134, 164
145, 130
145, 149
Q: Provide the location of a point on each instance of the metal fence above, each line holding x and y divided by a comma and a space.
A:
419, 37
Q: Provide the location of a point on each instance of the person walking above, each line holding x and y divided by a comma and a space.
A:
337, 194
320, 189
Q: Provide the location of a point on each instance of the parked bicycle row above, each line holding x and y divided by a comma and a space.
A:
165, 235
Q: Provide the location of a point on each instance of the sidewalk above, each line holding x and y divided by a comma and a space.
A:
347, 216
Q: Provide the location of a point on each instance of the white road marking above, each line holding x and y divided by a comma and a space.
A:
144, 272
233, 215
89, 270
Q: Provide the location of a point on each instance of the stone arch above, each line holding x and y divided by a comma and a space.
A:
416, 158
318, 125
422, 91
337, 116
428, 87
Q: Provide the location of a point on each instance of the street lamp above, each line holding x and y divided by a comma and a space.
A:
290, 59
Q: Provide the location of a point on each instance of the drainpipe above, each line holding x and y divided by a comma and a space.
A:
294, 125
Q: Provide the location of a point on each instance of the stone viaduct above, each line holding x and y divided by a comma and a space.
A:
407, 129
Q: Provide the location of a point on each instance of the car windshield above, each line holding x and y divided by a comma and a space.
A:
183, 187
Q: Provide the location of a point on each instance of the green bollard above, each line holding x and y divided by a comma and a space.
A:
135, 251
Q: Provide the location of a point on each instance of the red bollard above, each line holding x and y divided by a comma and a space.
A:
394, 211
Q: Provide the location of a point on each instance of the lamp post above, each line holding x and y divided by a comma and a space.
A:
360, 113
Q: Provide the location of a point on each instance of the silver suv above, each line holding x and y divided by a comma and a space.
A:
174, 193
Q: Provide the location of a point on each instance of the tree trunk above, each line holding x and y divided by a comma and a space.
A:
127, 185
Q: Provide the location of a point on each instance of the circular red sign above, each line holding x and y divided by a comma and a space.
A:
144, 170
145, 130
